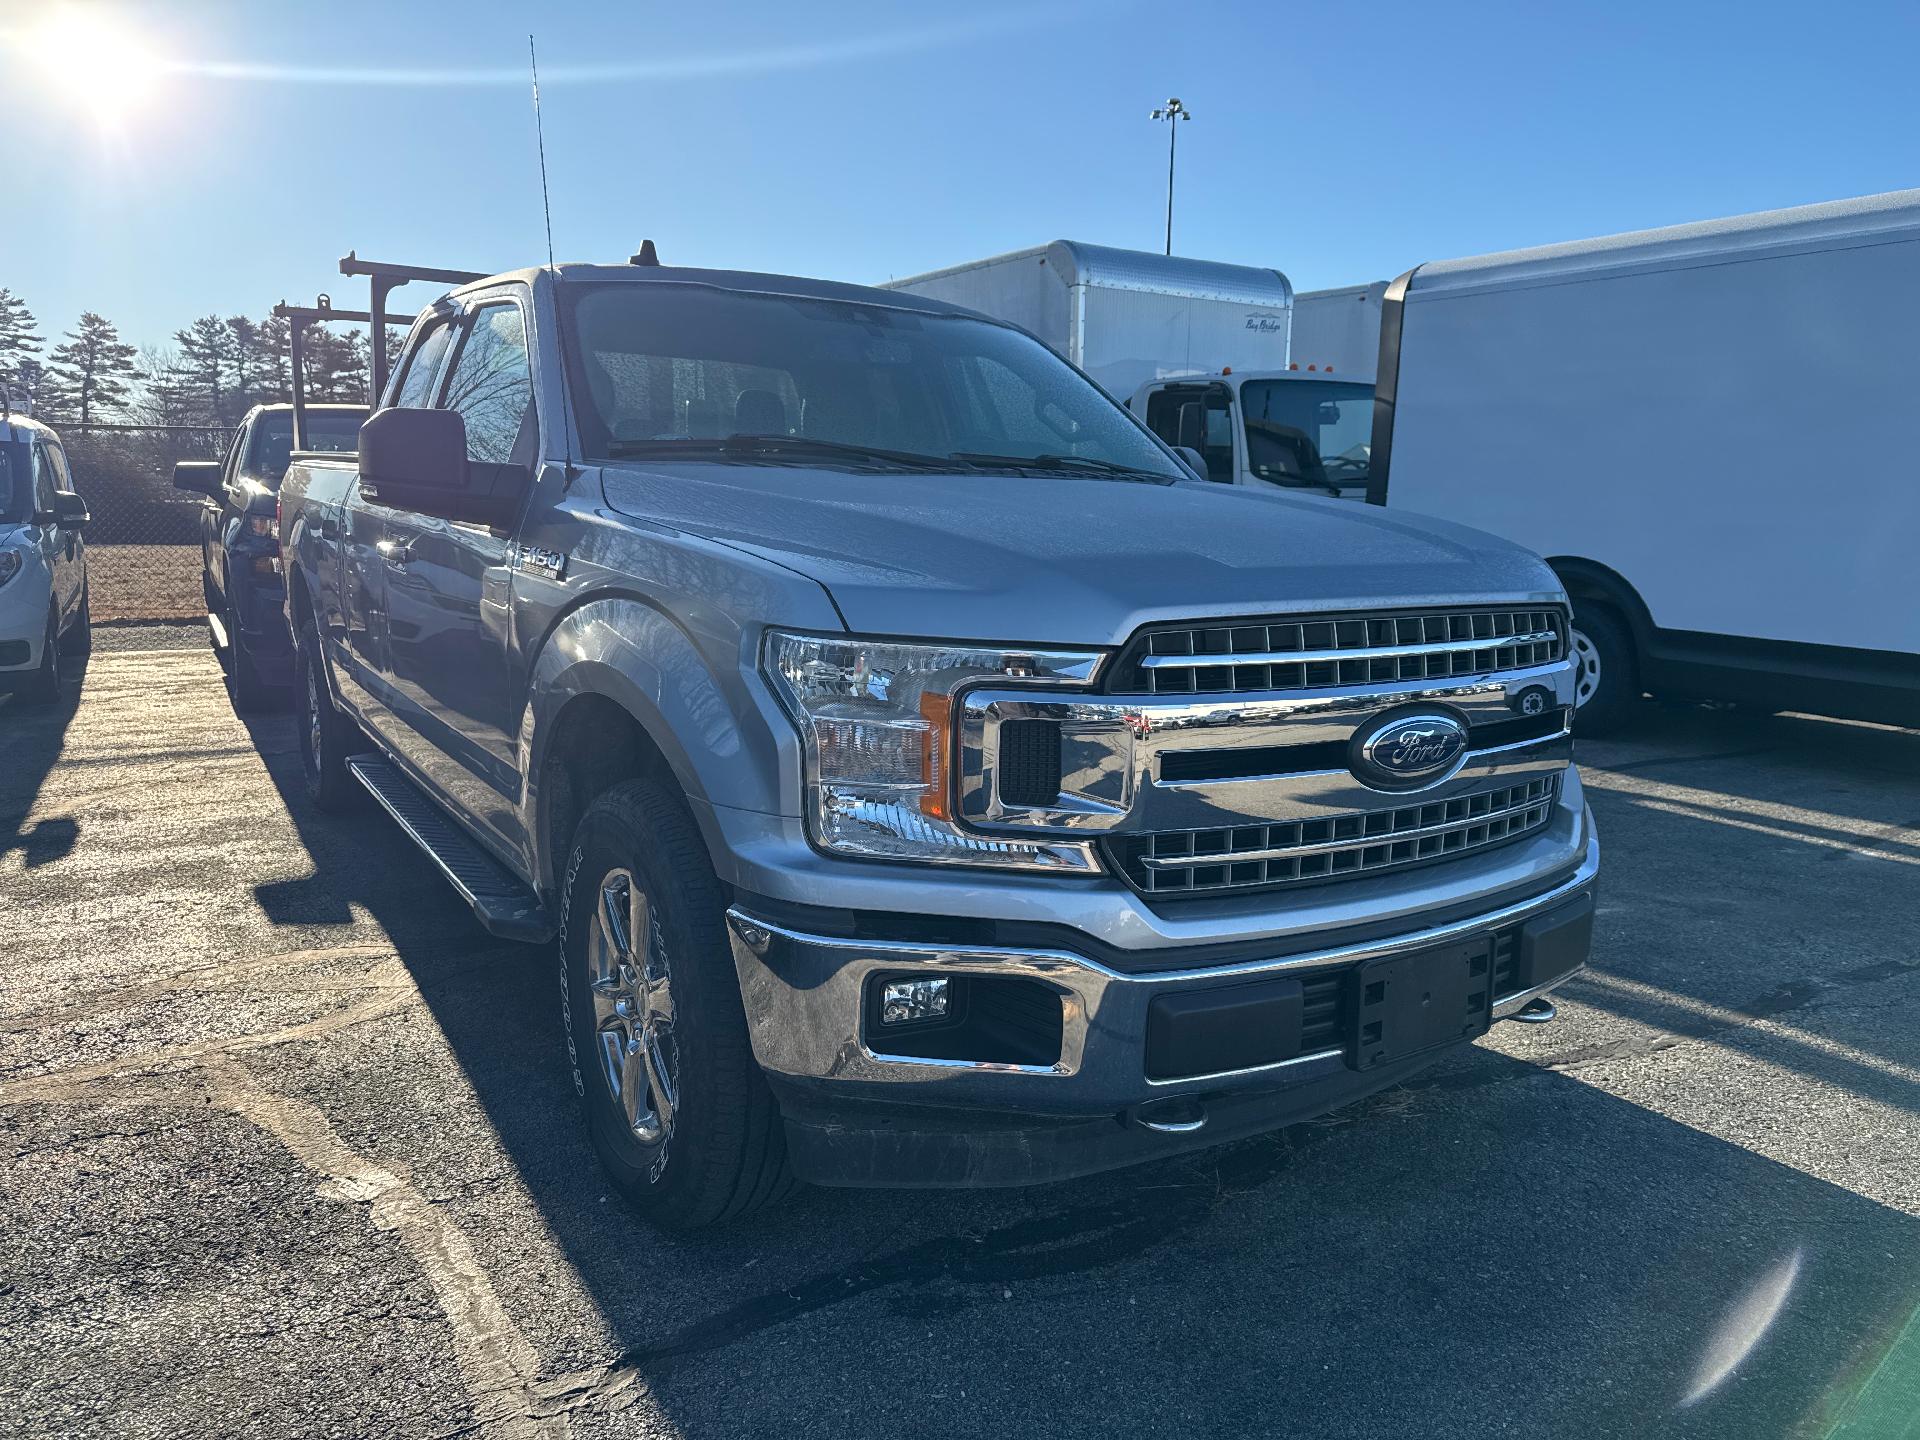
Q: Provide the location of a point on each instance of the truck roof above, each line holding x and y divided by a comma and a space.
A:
322, 407
15, 426
1886, 215
741, 280
1105, 267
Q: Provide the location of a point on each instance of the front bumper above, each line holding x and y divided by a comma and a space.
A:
857, 1113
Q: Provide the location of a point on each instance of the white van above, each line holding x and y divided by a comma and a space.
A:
1711, 431
44, 614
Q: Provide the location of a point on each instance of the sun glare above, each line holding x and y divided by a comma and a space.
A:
95, 62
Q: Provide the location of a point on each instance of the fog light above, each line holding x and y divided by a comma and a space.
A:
905, 1000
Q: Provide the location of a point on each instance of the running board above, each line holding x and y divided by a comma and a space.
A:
219, 632
502, 904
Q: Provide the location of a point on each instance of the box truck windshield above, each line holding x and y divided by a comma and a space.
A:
1308, 433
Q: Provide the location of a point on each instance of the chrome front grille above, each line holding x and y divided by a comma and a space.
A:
1322, 652
1297, 852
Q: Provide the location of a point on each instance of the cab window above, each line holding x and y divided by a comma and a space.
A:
415, 388
492, 386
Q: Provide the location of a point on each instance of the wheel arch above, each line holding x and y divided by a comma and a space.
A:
620, 690
1591, 581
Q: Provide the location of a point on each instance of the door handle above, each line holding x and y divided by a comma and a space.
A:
395, 552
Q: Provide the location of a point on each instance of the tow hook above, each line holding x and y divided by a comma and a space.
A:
1537, 1011
1175, 1115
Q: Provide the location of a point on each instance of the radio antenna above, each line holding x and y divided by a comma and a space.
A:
546, 210
540, 137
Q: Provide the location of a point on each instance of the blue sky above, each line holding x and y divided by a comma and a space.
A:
859, 141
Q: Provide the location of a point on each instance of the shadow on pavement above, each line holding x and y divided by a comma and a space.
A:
31, 739
1502, 1249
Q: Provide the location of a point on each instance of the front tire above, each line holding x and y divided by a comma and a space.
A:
1606, 673
326, 736
676, 1108
44, 687
251, 694
79, 637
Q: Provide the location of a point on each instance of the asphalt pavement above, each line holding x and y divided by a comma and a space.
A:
290, 1151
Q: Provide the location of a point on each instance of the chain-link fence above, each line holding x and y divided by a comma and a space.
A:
143, 543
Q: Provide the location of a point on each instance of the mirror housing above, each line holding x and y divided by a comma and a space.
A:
198, 477
1196, 462
416, 460
70, 510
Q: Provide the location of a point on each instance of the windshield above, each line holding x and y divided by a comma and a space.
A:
271, 448
1309, 432
683, 369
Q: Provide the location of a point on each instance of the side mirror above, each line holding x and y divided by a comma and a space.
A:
417, 460
1196, 462
198, 477
70, 510
1190, 432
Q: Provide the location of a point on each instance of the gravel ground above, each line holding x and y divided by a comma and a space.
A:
291, 1152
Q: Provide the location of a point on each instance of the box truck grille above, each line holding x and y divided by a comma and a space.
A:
1324, 652
1301, 852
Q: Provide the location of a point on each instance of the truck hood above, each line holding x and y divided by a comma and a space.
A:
1070, 560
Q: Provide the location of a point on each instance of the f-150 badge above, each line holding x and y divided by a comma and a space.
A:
536, 560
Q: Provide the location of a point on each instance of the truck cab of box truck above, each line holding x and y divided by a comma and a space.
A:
1300, 429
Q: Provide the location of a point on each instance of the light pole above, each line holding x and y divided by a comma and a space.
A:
1173, 112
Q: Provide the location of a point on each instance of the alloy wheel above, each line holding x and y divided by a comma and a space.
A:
632, 992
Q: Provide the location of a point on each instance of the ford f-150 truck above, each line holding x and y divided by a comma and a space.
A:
924, 778
240, 572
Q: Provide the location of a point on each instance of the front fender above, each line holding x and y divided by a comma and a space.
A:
707, 711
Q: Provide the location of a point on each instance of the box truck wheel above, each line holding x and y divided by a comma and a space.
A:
1605, 672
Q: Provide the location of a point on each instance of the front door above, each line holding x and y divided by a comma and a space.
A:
449, 594
60, 546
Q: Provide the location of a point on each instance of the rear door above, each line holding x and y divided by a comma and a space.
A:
449, 595
365, 544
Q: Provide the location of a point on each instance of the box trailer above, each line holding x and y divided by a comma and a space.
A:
1339, 330
1127, 316
1711, 432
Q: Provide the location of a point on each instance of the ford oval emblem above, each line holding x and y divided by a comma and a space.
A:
1409, 750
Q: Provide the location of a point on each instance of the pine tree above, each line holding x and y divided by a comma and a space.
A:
336, 365
92, 370
18, 343
275, 360
206, 368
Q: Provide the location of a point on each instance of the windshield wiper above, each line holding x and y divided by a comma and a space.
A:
1085, 463
742, 447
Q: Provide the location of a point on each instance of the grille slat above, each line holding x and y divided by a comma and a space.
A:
1257, 857
1321, 653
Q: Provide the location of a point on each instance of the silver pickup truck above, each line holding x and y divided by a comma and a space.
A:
926, 778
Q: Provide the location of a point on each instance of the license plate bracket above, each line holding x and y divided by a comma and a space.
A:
1404, 1004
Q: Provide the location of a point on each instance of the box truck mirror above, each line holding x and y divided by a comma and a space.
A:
1191, 431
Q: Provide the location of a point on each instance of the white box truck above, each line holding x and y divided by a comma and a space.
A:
1126, 316
1711, 433
1198, 349
1338, 329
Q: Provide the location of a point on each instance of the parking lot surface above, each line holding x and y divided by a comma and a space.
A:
291, 1151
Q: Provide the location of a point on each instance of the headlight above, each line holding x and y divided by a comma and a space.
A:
876, 719
9, 565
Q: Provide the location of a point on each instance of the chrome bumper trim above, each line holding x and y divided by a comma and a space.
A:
803, 995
